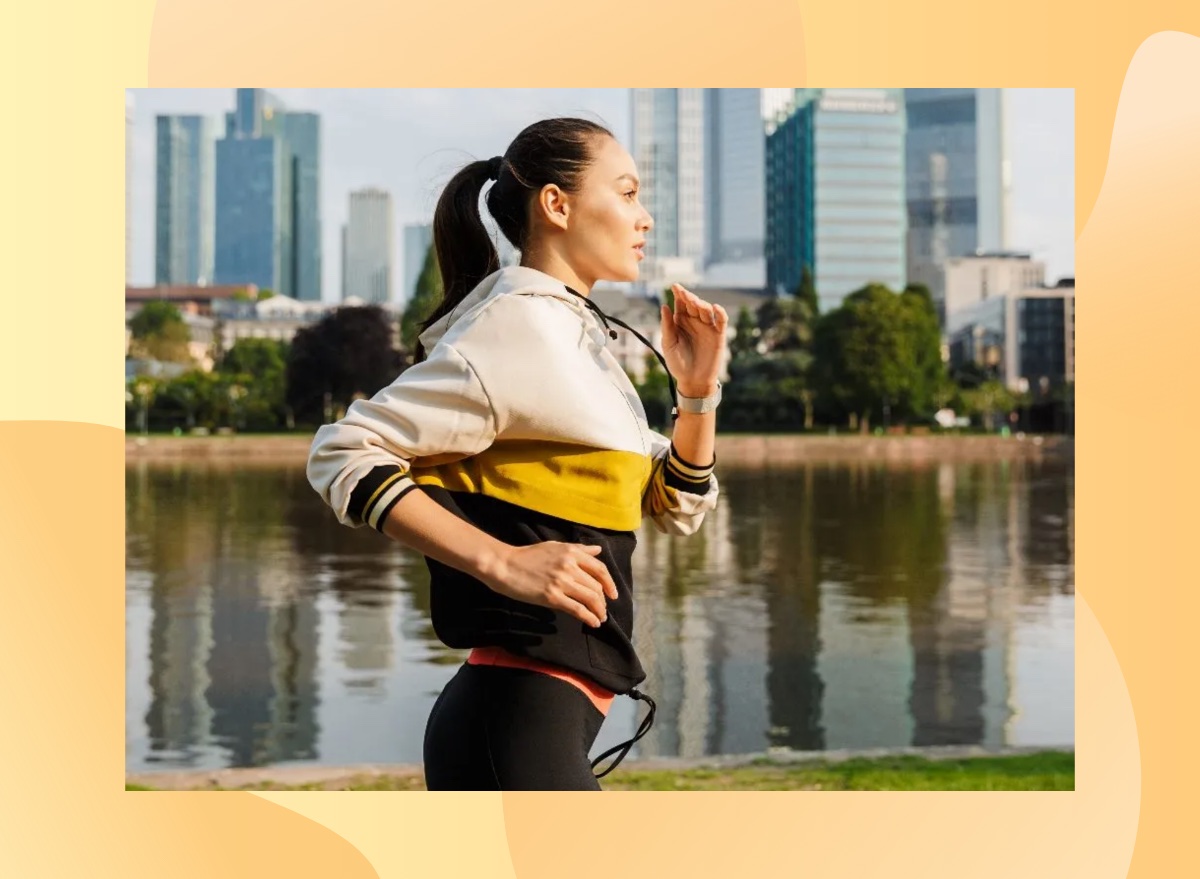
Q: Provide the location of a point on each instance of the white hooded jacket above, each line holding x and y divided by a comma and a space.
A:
519, 399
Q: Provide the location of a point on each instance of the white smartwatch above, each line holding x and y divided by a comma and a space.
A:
699, 405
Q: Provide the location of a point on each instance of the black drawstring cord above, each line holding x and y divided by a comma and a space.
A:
642, 730
612, 334
648, 721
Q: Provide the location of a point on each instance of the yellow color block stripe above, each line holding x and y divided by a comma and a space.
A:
597, 487
661, 496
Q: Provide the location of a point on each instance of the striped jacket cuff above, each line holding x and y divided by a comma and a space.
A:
683, 475
376, 494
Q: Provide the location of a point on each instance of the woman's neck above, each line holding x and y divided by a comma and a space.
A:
556, 267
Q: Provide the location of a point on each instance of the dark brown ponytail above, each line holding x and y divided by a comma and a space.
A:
550, 151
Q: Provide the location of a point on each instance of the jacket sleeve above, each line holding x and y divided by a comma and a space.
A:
679, 492
360, 464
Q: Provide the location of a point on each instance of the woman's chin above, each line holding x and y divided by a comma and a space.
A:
622, 273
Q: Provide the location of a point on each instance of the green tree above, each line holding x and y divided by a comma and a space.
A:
745, 337
988, 400
346, 354
216, 350
423, 299
806, 292
925, 338
766, 392
140, 394
865, 353
258, 357
260, 366
654, 390
787, 323
945, 393
192, 395
159, 333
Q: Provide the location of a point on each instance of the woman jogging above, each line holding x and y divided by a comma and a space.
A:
515, 455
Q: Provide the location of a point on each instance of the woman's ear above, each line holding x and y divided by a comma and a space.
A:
554, 205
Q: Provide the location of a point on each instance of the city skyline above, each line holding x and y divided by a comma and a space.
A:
369, 139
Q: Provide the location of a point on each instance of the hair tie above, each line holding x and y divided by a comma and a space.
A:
494, 167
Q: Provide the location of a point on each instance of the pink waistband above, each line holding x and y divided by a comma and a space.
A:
602, 698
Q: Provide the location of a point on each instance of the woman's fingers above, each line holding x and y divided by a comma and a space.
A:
598, 570
695, 306
589, 596
578, 610
690, 303
669, 330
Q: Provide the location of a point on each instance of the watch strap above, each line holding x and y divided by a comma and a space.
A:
699, 405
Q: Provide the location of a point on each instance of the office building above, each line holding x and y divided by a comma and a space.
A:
418, 238
835, 192
367, 255
183, 200
1024, 338
267, 203
735, 179
668, 147
958, 176
960, 282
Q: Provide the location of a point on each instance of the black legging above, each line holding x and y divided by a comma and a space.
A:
501, 728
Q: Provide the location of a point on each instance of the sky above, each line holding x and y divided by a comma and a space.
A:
411, 141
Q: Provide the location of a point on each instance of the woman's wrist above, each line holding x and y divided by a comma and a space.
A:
697, 389
487, 564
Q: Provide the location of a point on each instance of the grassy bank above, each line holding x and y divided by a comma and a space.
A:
1044, 770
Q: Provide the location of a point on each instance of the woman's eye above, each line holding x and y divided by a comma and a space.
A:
631, 192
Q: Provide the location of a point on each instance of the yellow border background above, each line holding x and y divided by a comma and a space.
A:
64, 813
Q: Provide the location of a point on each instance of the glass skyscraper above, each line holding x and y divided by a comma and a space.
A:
368, 247
700, 155
957, 177
835, 192
183, 200
417, 239
253, 214
668, 147
735, 145
267, 204
303, 136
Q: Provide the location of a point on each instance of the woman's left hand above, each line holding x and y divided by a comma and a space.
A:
693, 339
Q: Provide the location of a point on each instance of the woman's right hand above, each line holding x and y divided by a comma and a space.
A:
561, 576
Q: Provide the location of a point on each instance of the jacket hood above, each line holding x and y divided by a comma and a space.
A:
510, 280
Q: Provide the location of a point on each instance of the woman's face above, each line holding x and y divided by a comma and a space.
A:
606, 224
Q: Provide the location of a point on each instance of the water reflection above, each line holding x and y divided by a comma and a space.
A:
819, 607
